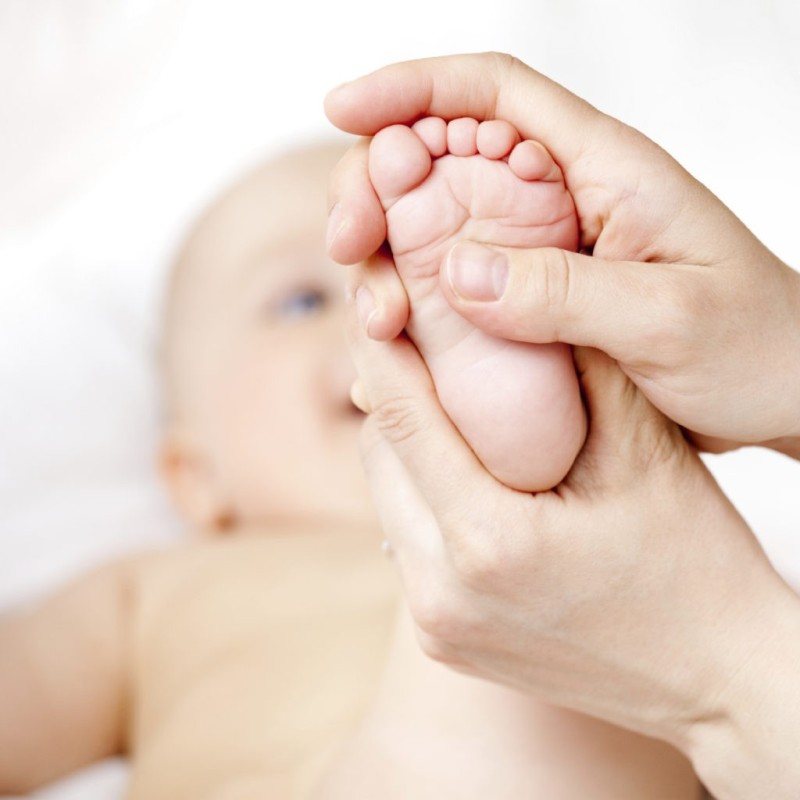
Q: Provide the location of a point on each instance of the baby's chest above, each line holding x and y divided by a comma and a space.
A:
232, 671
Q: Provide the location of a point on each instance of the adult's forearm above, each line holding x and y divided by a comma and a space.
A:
790, 443
751, 747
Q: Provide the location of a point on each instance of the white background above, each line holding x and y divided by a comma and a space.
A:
119, 119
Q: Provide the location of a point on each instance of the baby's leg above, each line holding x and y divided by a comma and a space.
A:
517, 405
434, 733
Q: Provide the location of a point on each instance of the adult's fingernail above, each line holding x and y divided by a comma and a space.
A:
477, 272
336, 223
365, 305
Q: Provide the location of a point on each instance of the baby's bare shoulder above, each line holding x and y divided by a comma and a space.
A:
248, 580
266, 560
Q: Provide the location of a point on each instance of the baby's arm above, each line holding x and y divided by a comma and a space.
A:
62, 668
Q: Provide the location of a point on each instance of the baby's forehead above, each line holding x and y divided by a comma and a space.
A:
270, 218
281, 203
267, 230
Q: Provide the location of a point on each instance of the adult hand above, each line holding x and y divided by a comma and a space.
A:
698, 313
633, 591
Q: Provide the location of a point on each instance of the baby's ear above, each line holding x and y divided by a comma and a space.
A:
190, 480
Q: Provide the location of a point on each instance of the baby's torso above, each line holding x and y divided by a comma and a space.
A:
252, 659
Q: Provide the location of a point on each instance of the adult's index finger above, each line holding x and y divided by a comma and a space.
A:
480, 85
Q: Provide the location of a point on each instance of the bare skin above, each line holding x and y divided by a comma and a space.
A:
266, 649
238, 665
248, 657
231, 665
518, 405
433, 733
702, 320
695, 330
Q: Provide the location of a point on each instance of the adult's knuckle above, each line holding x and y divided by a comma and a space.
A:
477, 561
484, 553
548, 286
504, 63
398, 418
430, 614
506, 71
439, 650
437, 614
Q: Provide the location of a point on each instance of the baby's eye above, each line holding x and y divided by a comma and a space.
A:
301, 303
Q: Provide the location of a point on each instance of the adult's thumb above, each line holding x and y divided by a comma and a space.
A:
624, 308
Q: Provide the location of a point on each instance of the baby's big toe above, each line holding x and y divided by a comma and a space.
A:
398, 162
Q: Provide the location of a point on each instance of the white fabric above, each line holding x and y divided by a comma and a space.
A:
105, 780
120, 118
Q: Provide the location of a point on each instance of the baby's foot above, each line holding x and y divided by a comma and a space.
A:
517, 405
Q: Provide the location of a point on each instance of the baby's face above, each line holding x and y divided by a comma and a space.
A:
265, 401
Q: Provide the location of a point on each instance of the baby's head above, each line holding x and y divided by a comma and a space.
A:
259, 423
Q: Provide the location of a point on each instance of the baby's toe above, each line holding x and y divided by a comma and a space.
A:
531, 161
462, 136
433, 132
496, 138
398, 162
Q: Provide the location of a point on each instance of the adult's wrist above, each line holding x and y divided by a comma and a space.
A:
779, 353
745, 744
790, 443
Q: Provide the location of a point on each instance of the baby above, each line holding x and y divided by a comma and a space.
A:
234, 665
263, 657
